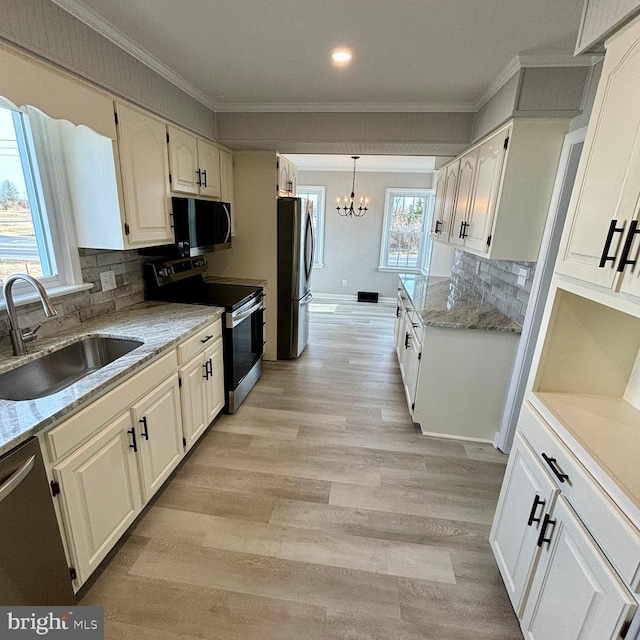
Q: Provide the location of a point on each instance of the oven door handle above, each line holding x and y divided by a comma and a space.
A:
235, 320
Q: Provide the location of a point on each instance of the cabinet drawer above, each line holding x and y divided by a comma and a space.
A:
198, 342
80, 427
611, 529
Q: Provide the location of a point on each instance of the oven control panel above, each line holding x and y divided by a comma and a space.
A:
166, 272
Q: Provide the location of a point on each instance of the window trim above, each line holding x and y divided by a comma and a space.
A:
57, 226
321, 191
425, 241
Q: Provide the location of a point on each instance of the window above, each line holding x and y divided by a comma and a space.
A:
32, 240
405, 240
315, 195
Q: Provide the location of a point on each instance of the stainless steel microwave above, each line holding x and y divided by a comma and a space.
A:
201, 226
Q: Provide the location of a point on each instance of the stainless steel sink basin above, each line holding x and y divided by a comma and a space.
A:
60, 369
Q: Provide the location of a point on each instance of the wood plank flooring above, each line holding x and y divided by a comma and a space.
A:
317, 511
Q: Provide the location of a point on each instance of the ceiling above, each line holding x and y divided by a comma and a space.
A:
403, 164
408, 54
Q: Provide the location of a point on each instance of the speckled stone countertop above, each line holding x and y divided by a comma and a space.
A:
158, 325
438, 305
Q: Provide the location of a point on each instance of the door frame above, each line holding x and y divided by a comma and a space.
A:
549, 247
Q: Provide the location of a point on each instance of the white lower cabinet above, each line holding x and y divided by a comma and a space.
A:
159, 432
575, 594
110, 458
202, 392
561, 582
528, 494
100, 490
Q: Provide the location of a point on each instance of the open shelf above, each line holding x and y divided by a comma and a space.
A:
589, 380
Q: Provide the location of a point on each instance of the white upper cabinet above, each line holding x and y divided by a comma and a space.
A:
287, 177
226, 177
503, 190
194, 164
445, 198
464, 194
144, 172
209, 163
600, 235
183, 162
485, 193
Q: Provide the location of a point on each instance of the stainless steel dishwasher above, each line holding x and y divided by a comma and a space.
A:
33, 567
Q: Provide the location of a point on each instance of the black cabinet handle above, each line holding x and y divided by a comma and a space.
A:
134, 444
465, 225
210, 367
398, 311
406, 340
624, 260
206, 370
532, 516
199, 180
438, 226
145, 432
206, 339
607, 243
204, 176
545, 523
552, 462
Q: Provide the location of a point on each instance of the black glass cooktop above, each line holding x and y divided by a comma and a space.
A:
197, 291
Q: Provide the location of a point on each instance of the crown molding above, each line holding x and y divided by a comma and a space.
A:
523, 60
105, 28
335, 169
346, 107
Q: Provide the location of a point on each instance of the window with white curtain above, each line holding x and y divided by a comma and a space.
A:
36, 232
315, 195
405, 239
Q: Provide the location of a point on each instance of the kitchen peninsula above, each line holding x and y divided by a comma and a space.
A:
455, 353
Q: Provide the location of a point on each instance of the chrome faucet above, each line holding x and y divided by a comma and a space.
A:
17, 335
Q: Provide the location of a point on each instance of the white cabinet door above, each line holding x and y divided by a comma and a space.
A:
159, 427
527, 495
186, 174
485, 193
464, 194
607, 187
144, 166
398, 329
293, 179
441, 184
214, 383
451, 189
193, 399
226, 176
209, 162
100, 490
411, 361
575, 594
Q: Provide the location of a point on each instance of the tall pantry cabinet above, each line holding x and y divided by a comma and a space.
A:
566, 535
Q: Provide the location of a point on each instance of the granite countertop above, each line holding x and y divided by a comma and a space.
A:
159, 325
439, 305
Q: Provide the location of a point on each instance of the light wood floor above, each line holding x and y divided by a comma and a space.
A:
318, 511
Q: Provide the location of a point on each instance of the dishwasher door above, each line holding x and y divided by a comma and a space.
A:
33, 567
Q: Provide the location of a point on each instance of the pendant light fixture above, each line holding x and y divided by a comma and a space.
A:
347, 209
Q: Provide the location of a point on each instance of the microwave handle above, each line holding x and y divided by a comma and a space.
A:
226, 210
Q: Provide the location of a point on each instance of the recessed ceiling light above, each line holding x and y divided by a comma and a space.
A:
341, 57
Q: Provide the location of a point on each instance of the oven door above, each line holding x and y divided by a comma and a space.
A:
245, 336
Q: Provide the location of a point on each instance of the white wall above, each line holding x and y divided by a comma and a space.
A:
352, 245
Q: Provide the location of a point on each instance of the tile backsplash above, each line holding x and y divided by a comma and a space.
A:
86, 305
496, 281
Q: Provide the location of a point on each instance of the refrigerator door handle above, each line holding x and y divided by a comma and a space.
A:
310, 258
307, 299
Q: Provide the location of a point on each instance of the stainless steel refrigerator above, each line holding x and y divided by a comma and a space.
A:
295, 262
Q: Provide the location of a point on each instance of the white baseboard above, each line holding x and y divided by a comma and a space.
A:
350, 297
452, 437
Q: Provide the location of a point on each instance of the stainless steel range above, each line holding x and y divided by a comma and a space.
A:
242, 328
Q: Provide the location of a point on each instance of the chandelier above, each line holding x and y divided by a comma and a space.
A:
347, 208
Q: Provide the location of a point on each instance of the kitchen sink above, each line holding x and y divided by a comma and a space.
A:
59, 369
